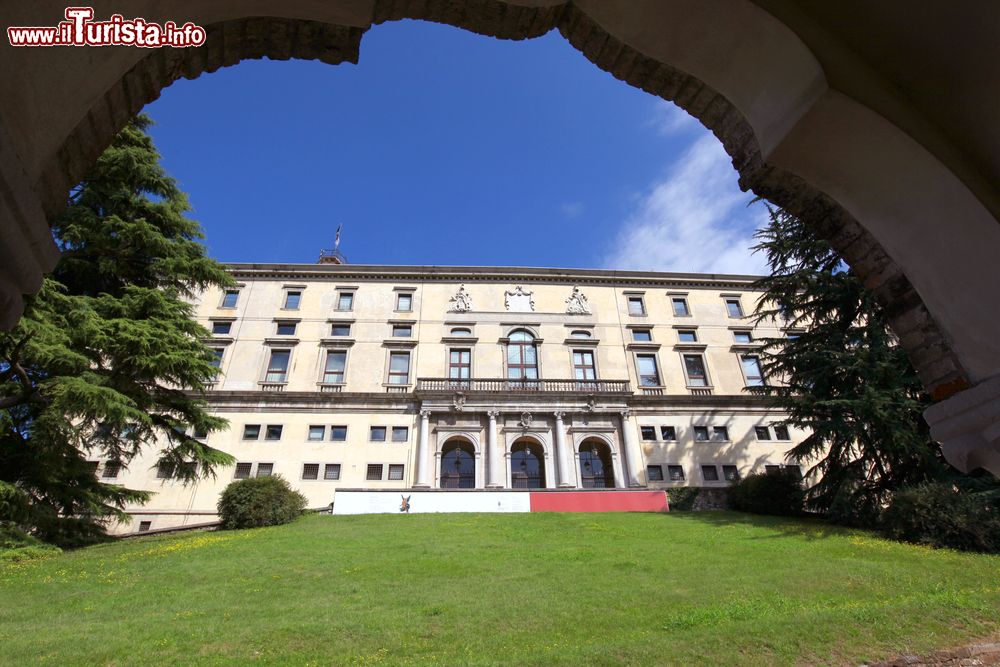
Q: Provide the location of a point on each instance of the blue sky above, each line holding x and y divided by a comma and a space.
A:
445, 147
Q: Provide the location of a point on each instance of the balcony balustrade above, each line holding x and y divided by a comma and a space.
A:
502, 385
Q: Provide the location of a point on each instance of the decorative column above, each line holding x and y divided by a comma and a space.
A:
493, 452
633, 457
423, 480
565, 457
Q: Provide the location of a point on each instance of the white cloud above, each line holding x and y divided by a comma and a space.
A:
573, 209
694, 220
669, 119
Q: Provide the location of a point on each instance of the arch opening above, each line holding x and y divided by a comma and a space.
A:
596, 468
527, 465
458, 465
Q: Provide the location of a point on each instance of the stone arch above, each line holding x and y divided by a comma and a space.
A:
617, 467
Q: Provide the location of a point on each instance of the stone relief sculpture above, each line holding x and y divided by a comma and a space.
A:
577, 304
525, 420
518, 301
461, 302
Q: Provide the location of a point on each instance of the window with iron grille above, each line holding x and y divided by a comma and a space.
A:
374, 472
731, 473
111, 469
242, 470
654, 473
144, 526
676, 473
395, 472
265, 469
310, 471
331, 471
710, 473
164, 471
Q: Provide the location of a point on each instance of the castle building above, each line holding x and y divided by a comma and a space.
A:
340, 376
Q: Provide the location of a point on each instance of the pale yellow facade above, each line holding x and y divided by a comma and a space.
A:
583, 399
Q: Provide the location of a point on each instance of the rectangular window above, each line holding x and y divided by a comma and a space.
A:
720, 433
654, 473
751, 371
680, 305
286, 328
377, 434
731, 473
217, 354
668, 433
793, 470
340, 330
242, 470
221, 328
676, 473
649, 374
93, 465
336, 366
251, 431
648, 432
399, 368
460, 364
583, 365
374, 473
144, 526
701, 433
636, 306
345, 301
710, 473
400, 433
310, 471
272, 432
762, 432
277, 366
265, 469
317, 433
164, 471
404, 302
781, 433
292, 299
742, 337
230, 298
734, 308
642, 335
402, 331
694, 366
331, 471
199, 433
395, 473
338, 433
687, 336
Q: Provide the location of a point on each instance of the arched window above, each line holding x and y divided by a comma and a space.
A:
461, 331
596, 471
458, 466
527, 466
522, 356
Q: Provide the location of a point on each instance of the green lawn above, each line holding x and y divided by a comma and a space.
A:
529, 589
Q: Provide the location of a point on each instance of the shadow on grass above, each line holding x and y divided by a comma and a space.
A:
808, 528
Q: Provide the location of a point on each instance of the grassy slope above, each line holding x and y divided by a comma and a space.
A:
569, 589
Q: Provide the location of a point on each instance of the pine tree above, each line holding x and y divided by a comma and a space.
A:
107, 358
844, 378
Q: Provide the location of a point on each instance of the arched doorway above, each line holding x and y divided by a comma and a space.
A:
458, 465
596, 468
527, 465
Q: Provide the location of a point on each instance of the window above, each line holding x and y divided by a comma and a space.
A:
251, 431
668, 433
331, 471
792, 470
336, 366
230, 298
345, 301
680, 305
217, 354
395, 472
720, 433
694, 366
317, 433
144, 526
272, 432
286, 328
221, 328
277, 366
710, 473
734, 308
460, 364
92, 466
338, 433
164, 471
648, 432
742, 337
402, 330
701, 433
404, 302
642, 335
676, 473
199, 433
781, 433
636, 306
310, 471
751, 371
731, 473
461, 331
649, 374
265, 469
583, 365
400, 433
292, 299
374, 473
377, 434
242, 470
687, 336
399, 368
654, 473
340, 330
579, 333
522, 356
762, 432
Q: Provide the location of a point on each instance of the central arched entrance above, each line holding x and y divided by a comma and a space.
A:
596, 469
527, 465
458, 465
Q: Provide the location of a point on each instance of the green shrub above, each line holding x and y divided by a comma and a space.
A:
941, 514
259, 501
17, 546
777, 492
682, 498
